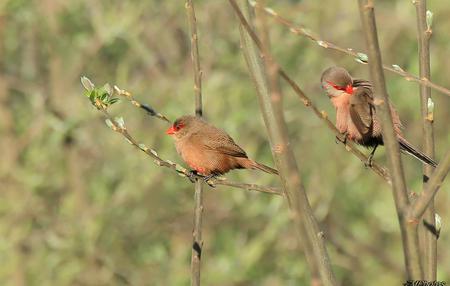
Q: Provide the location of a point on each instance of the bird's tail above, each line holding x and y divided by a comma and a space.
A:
262, 167
407, 148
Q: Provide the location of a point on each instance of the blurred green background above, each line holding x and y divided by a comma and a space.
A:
80, 206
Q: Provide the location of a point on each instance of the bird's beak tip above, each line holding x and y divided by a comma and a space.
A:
170, 131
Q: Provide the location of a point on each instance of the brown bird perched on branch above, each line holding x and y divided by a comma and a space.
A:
356, 115
208, 150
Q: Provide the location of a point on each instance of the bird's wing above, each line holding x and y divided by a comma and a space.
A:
362, 110
217, 140
367, 86
362, 83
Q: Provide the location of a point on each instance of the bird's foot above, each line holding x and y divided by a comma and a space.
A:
209, 177
339, 140
369, 161
192, 176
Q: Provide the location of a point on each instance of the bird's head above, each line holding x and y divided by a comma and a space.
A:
182, 126
336, 81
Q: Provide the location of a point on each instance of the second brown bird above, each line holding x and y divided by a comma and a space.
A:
356, 114
209, 150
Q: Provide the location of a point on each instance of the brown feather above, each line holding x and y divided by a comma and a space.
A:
217, 140
362, 111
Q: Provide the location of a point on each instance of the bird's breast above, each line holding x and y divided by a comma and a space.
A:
201, 159
342, 115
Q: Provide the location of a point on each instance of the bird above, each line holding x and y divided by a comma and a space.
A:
356, 116
208, 150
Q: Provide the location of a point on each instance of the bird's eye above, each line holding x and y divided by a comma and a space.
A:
342, 88
178, 126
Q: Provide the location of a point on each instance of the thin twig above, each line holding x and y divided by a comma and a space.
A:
350, 146
429, 240
381, 98
150, 111
197, 244
269, 97
360, 57
419, 206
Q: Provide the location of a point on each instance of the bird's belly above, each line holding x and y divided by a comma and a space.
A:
342, 119
353, 132
207, 162
196, 160
370, 139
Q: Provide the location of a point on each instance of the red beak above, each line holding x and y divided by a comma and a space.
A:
171, 130
349, 89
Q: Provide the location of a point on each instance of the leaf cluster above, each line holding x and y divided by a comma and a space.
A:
100, 97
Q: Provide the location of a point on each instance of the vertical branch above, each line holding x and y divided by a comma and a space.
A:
381, 101
197, 243
270, 100
429, 240
195, 57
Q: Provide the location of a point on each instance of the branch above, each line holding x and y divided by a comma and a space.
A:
183, 172
180, 170
150, 111
359, 57
197, 244
349, 146
429, 240
381, 99
195, 57
118, 125
417, 209
271, 66
269, 98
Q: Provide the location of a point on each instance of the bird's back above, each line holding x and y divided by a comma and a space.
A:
364, 116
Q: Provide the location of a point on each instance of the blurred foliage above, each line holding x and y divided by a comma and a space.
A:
80, 206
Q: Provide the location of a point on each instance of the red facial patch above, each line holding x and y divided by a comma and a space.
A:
171, 130
348, 89
174, 128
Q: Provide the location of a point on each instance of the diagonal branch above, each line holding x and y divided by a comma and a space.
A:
183, 172
100, 100
417, 209
381, 99
150, 111
272, 68
197, 244
360, 57
269, 97
350, 146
